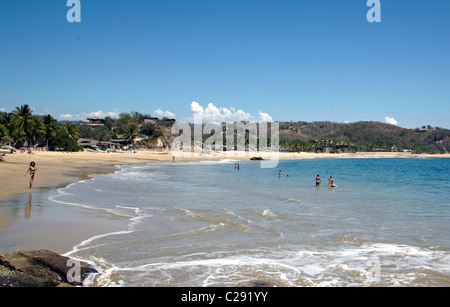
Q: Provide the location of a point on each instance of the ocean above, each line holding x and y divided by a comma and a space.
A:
207, 223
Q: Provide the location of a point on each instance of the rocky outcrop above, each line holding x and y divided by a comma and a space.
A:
257, 159
41, 268
257, 284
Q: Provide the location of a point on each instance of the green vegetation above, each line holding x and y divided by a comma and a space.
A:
362, 136
22, 128
130, 126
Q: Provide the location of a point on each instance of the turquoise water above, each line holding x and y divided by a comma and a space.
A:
209, 224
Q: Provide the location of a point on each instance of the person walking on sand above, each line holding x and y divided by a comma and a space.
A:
318, 180
32, 170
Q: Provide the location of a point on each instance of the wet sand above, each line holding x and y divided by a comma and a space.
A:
53, 167
28, 220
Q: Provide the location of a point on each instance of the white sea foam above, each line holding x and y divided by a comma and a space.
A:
185, 229
268, 214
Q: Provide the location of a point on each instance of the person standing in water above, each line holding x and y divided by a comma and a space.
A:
32, 170
330, 181
318, 180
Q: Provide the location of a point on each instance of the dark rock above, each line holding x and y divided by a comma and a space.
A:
40, 268
257, 284
256, 159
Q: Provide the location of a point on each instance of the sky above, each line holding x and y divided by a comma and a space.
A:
282, 60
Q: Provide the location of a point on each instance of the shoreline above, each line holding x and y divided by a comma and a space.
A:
57, 167
61, 169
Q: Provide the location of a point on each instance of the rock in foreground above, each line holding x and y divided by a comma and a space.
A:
40, 268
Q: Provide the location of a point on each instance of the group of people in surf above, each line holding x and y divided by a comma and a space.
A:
330, 181
318, 180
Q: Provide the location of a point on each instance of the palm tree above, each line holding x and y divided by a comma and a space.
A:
37, 129
71, 131
4, 136
131, 131
49, 127
24, 118
8, 124
114, 132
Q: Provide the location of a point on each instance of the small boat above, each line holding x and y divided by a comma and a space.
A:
7, 150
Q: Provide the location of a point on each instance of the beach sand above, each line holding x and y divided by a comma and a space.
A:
53, 167
56, 169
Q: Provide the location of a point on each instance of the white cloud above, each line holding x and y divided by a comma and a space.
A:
390, 120
66, 116
161, 113
213, 113
196, 107
264, 117
114, 113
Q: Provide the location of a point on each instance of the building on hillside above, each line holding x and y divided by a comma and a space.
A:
87, 143
151, 120
96, 121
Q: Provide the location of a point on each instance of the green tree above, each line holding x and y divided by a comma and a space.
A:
4, 135
114, 132
49, 127
64, 141
23, 120
71, 131
36, 130
131, 131
10, 128
148, 129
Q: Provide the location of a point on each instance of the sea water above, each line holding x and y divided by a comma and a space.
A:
207, 223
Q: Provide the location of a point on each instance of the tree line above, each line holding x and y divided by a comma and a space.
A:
363, 136
126, 126
21, 128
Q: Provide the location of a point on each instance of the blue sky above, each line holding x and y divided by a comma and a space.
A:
287, 60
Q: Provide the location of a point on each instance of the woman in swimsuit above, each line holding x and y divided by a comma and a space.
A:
32, 170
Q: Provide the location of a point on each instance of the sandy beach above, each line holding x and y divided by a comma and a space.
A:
54, 167
60, 168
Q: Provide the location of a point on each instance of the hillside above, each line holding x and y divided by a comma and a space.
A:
141, 131
362, 136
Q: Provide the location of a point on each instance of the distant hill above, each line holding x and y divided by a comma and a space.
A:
362, 136
148, 132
